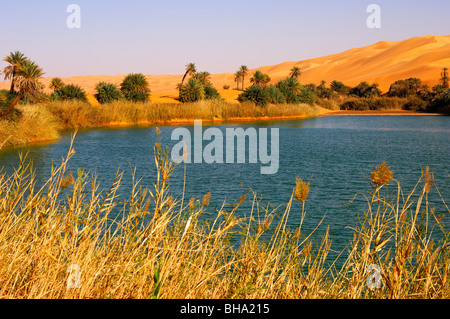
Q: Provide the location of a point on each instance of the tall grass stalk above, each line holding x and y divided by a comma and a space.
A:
152, 245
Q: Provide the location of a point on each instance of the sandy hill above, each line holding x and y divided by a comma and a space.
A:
383, 62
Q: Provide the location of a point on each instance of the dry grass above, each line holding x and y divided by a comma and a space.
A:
74, 114
158, 246
42, 122
36, 125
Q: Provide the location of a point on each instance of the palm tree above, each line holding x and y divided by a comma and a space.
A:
14, 59
238, 78
56, 83
444, 78
190, 70
27, 83
244, 70
192, 91
295, 72
135, 87
260, 78
203, 77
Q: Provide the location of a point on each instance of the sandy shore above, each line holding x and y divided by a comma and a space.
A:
377, 113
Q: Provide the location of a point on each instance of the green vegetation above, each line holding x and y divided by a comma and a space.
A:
136, 88
288, 91
260, 79
444, 79
25, 76
288, 97
243, 70
365, 90
404, 88
295, 72
69, 92
190, 70
255, 94
192, 91
339, 87
56, 83
198, 87
15, 59
107, 93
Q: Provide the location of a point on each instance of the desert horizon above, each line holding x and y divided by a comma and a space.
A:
383, 62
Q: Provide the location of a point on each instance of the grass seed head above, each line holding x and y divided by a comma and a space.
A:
301, 190
381, 175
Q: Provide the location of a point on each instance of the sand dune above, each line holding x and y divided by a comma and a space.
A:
383, 62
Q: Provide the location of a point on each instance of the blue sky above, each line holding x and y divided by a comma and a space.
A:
161, 36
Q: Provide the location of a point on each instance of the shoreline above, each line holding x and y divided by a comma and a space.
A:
378, 113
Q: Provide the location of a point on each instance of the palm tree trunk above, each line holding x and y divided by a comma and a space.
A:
11, 106
182, 80
11, 90
243, 80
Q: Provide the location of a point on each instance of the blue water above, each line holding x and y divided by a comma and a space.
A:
336, 153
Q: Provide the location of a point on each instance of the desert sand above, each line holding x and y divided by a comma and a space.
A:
383, 62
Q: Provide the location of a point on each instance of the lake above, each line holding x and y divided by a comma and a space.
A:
337, 153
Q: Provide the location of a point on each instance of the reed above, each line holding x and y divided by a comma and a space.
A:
69, 239
43, 122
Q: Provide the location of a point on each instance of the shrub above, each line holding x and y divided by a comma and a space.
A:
135, 87
107, 93
373, 104
414, 103
332, 104
364, 89
441, 103
69, 92
211, 93
404, 88
226, 87
355, 104
255, 94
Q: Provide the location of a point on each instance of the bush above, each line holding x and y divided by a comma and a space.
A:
211, 93
226, 87
364, 89
441, 103
355, 104
255, 94
415, 103
404, 88
372, 104
135, 88
332, 104
107, 93
69, 92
